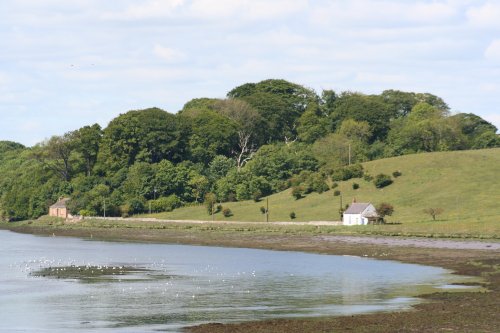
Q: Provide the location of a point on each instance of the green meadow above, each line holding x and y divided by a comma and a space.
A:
464, 184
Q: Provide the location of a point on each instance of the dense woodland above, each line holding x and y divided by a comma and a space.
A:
263, 138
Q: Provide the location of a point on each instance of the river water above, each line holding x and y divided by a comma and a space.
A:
185, 285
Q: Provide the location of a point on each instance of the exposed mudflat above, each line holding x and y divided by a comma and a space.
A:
415, 242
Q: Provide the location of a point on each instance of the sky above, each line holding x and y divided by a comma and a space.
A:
66, 64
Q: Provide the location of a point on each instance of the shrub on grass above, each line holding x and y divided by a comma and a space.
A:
292, 215
166, 204
210, 200
87, 212
124, 210
348, 172
382, 180
256, 195
227, 212
262, 209
384, 209
136, 206
336, 193
396, 174
355, 186
297, 192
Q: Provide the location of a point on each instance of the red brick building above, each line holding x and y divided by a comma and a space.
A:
59, 209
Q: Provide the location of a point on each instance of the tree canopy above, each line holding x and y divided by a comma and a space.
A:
263, 138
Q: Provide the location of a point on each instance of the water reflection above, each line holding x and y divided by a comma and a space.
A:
166, 287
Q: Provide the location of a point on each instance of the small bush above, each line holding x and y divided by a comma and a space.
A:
335, 185
336, 193
383, 210
297, 192
382, 180
256, 195
367, 177
227, 212
136, 206
292, 215
348, 172
166, 204
210, 199
231, 197
263, 209
355, 186
124, 210
218, 208
86, 212
396, 174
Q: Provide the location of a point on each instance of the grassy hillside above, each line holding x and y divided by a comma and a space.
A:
465, 184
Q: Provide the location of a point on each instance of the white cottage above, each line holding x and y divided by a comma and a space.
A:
360, 213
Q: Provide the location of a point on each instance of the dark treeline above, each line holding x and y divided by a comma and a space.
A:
263, 138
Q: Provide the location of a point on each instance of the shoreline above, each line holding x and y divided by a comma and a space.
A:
452, 311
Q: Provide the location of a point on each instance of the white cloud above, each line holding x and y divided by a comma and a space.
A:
493, 118
146, 10
275, 9
222, 8
3, 79
170, 55
29, 126
166, 74
58, 54
383, 13
493, 51
370, 77
490, 88
246, 9
485, 16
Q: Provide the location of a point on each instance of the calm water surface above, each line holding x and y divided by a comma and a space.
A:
189, 285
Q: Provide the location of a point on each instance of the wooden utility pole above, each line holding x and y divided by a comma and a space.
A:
267, 209
349, 154
341, 213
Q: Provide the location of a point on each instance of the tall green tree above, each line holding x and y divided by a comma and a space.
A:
140, 181
88, 139
56, 154
478, 132
212, 134
427, 128
312, 124
279, 102
278, 162
401, 103
148, 135
368, 108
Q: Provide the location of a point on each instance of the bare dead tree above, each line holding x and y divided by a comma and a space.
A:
434, 212
245, 150
247, 119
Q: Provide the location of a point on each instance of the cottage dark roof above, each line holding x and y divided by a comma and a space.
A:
357, 208
61, 203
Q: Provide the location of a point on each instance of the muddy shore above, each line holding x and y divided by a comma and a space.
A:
440, 312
